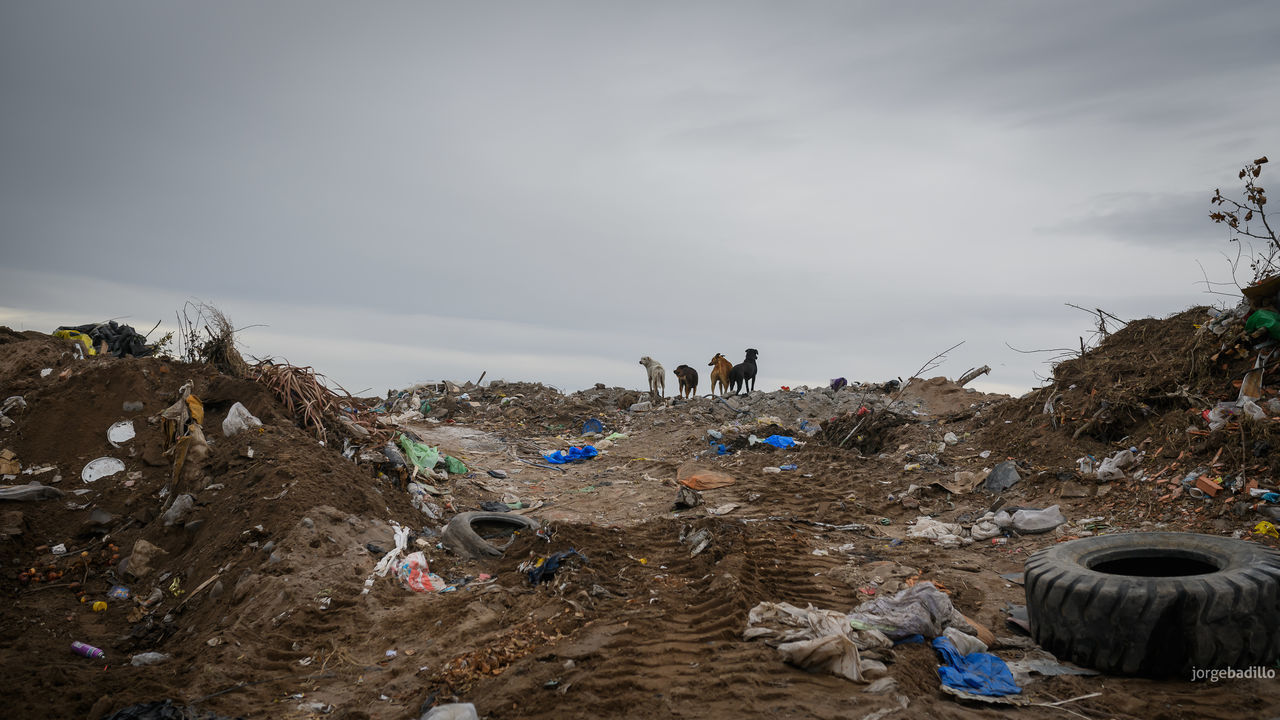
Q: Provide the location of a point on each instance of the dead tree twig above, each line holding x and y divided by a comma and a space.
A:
929, 364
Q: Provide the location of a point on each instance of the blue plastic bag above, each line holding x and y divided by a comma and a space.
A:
976, 673
574, 454
780, 441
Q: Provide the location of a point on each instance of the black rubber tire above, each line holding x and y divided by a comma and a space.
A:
1130, 604
461, 538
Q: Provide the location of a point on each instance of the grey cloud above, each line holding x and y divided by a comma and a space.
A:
1157, 220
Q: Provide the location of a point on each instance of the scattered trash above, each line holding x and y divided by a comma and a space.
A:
1031, 522
780, 441
1002, 477
452, 711
424, 457
813, 638
32, 491
118, 592
238, 420
101, 468
921, 609
687, 497
120, 433
976, 673
87, 650
178, 511
148, 658
415, 575
1040, 662
592, 426
944, 534
543, 569
574, 454
699, 478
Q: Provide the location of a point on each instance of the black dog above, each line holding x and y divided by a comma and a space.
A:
744, 373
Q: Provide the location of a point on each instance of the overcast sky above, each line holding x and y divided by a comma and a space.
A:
410, 191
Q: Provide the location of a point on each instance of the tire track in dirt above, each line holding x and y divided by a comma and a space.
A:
666, 650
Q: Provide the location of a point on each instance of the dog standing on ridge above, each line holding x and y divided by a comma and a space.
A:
720, 368
657, 378
688, 378
744, 373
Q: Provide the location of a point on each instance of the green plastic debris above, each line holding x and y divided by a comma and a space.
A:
423, 456
425, 407
1268, 319
617, 436
455, 465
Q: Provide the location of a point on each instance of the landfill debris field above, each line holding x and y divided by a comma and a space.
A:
224, 540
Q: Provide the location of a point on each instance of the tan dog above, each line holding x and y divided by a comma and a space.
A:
657, 378
720, 367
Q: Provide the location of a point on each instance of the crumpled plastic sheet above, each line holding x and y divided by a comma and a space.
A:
944, 534
573, 454
976, 673
921, 609
34, 491
421, 455
815, 639
416, 575
389, 560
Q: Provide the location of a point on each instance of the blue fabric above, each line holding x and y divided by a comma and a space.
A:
916, 639
547, 568
780, 441
976, 673
574, 454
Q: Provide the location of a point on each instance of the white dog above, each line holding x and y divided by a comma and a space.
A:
657, 378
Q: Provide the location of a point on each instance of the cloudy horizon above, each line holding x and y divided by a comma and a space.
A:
404, 192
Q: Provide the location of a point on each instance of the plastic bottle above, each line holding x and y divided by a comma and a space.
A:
87, 650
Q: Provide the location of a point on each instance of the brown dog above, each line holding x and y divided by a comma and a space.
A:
688, 378
720, 367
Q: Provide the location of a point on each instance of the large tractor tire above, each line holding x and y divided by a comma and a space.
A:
1156, 604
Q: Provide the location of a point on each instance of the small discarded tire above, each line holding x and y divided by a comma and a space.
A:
464, 535
1156, 604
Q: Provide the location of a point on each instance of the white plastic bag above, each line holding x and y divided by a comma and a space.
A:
238, 420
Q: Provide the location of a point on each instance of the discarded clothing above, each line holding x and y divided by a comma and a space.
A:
121, 340
813, 638
574, 454
837, 383
976, 673
545, 568
921, 609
